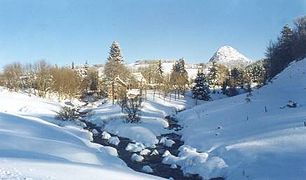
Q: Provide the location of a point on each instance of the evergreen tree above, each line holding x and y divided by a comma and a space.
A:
256, 72
299, 45
115, 67
201, 88
213, 75
160, 72
115, 53
279, 53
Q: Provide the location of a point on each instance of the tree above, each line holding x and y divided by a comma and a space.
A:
213, 75
66, 82
131, 106
159, 75
289, 46
43, 79
179, 77
12, 74
299, 45
256, 72
236, 79
91, 81
201, 88
115, 67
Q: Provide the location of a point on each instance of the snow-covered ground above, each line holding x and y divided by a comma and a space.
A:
32, 146
152, 122
235, 138
260, 139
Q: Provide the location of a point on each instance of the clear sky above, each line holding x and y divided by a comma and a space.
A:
62, 31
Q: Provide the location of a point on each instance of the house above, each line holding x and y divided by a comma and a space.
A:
117, 88
139, 80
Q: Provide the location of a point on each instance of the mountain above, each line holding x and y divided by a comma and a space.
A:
230, 57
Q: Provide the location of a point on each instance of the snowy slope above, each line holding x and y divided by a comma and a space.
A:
31, 146
253, 143
229, 57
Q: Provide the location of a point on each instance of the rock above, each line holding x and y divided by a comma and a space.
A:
166, 153
95, 132
147, 169
145, 152
137, 158
173, 166
135, 147
114, 140
106, 135
154, 153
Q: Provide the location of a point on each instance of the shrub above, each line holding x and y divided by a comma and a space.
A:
131, 106
67, 114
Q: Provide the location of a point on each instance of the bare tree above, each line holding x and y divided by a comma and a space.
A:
131, 106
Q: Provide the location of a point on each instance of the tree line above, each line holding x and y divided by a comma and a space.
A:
288, 47
43, 79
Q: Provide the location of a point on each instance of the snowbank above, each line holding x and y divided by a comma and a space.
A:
33, 147
260, 139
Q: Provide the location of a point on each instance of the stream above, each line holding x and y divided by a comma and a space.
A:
154, 161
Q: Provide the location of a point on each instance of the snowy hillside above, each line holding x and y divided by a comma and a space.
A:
33, 147
260, 139
229, 57
167, 65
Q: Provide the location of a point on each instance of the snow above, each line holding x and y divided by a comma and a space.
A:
33, 146
166, 141
166, 153
173, 166
229, 57
137, 158
106, 135
147, 169
152, 123
95, 132
145, 152
23, 169
114, 140
193, 162
135, 147
230, 137
154, 153
251, 142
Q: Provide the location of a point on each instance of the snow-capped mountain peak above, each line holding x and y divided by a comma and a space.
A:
229, 57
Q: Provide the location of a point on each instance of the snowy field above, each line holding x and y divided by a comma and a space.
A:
32, 146
235, 138
260, 139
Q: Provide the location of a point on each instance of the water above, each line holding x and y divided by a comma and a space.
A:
155, 161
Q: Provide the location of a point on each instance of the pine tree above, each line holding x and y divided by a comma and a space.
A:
201, 88
213, 75
115, 53
160, 76
160, 72
115, 67
280, 53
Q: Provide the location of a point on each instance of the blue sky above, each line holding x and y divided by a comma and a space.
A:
62, 31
